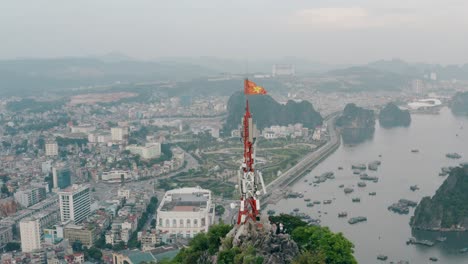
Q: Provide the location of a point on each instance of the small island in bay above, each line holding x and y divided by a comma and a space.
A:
447, 210
459, 103
357, 124
392, 116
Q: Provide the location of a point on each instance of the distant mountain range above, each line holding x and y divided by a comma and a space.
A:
35, 76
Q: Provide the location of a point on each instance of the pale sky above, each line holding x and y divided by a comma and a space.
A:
329, 31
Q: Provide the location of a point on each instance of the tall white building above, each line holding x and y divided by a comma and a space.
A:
51, 148
118, 133
149, 151
283, 70
75, 203
185, 212
30, 231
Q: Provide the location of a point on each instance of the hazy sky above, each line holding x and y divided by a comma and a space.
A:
332, 31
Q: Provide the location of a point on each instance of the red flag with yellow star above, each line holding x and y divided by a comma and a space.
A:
252, 88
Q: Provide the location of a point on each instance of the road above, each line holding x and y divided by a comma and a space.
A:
277, 186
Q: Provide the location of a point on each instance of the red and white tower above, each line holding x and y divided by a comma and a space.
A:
250, 181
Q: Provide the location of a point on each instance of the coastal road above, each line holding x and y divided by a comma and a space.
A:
277, 186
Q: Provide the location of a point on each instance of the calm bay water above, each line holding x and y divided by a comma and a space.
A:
386, 232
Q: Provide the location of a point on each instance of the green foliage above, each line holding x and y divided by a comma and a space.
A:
219, 209
12, 246
267, 112
71, 141
150, 210
391, 115
203, 243
308, 257
289, 222
357, 123
334, 246
32, 105
93, 253
448, 206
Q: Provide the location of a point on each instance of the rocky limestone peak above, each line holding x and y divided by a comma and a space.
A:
274, 248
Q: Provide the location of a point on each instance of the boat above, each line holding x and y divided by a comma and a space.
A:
374, 165
365, 177
453, 155
359, 166
361, 184
356, 220
414, 187
327, 202
348, 190
433, 259
382, 257
356, 200
372, 193
343, 214
441, 239
414, 241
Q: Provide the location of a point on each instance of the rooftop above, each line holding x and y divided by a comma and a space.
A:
186, 200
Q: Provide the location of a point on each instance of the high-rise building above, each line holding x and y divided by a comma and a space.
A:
30, 231
75, 203
283, 70
61, 176
51, 148
119, 133
30, 197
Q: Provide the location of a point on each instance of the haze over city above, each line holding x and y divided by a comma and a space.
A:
336, 32
233, 132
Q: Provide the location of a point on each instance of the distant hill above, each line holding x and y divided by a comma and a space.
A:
361, 78
392, 116
448, 208
356, 123
418, 70
459, 103
34, 76
267, 112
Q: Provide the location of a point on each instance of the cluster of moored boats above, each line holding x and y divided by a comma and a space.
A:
402, 206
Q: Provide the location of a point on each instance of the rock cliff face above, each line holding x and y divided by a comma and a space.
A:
273, 248
447, 210
459, 103
267, 112
356, 123
392, 116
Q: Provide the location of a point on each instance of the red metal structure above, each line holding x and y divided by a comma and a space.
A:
249, 179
